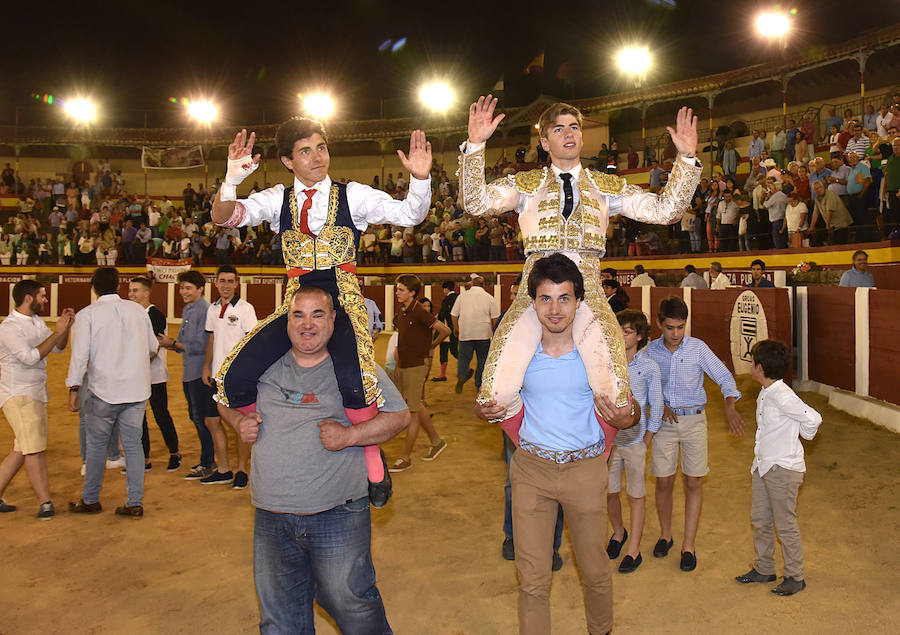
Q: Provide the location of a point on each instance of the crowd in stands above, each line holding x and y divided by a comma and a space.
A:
791, 198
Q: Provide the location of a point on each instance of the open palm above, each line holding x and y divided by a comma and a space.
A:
418, 163
482, 122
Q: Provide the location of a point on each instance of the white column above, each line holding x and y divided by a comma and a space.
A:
279, 290
170, 300
687, 301
427, 292
54, 300
389, 307
645, 303
780, 276
497, 295
801, 318
244, 290
207, 292
861, 316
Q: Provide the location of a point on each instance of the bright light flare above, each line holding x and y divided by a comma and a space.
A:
318, 105
81, 110
437, 96
772, 24
635, 60
203, 111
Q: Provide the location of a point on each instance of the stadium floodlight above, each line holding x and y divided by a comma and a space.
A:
773, 24
81, 110
204, 112
634, 60
318, 105
437, 96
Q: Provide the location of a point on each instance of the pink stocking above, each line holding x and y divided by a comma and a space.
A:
374, 466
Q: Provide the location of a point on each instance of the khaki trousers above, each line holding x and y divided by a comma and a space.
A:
580, 487
773, 506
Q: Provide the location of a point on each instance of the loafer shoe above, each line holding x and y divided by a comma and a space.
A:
755, 576
85, 508
135, 511
688, 561
629, 564
661, 550
557, 561
789, 586
380, 493
615, 546
509, 549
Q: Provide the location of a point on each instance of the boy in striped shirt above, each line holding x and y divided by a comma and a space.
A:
683, 361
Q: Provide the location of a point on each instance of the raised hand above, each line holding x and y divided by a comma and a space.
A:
418, 163
482, 122
243, 147
684, 136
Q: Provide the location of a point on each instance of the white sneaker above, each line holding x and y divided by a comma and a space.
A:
83, 469
111, 465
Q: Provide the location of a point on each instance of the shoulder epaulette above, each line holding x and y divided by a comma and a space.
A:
607, 183
528, 182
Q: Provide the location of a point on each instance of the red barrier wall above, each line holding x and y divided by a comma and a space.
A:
832, 340
884, 344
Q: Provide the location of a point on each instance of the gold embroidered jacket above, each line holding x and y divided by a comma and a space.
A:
535, 195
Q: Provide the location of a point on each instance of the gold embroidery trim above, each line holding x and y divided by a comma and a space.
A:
351, 299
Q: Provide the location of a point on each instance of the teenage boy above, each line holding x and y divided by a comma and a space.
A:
629, 453
777, 469
683, 360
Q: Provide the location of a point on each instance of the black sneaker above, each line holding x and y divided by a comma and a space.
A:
380, 493
509, 549
661, 550
6, 508
218, 478
614, 548
46, 511
688, 561
240, 480
174, 462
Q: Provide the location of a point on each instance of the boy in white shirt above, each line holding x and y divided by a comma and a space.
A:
777, 469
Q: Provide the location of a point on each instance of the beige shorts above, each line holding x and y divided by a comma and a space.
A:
410, 386
28, 419
689, 434
632, 460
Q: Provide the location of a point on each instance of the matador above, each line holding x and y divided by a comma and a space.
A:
566, 208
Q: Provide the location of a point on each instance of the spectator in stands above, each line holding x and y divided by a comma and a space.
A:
834, 147
615, 295
859, 142
772, 171
796, 215
831, 209
779, 143
819, 174
757, 145
693, 279
632, 158
848, 121
6, 248
790, 136
801, 183
802, 148
884, 120
890, 187
776, 202
655, 176
859, 180
642, 278
728, 213
859, 275
757, 269
731, 159
717, 279
870, 119
833, 119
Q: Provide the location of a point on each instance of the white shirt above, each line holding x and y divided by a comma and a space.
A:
721, 282
238, 319
153, 218
643, 280
367, 205
22, 371
112, 340
793, 213
781, 418
475, 309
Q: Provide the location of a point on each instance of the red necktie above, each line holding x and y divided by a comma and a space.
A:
304, 212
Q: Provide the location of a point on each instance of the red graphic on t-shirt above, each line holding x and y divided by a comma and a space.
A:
309, 397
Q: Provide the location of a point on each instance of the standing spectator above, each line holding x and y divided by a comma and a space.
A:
859, 180
858, 143
632, 158
779, 143
859, 275
819, 173
191, 343
474, 315
757, 145
376, 321
451, 344
655, 176
228, 320
729, 215
796, 215
25, 342
642, 278
831, 209
139, 291
833, 119
188, 194
890, 185
791, 139
776, 202
112, 346
497, 248
802, 149
415, 350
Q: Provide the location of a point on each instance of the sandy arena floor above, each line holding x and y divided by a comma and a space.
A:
186, 567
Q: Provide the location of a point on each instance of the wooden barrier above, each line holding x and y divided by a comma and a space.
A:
831, 323
884, 345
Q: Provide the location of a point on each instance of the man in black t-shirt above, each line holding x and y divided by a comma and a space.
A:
139, 291
451, 345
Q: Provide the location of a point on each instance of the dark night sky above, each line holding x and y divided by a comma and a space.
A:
135, 59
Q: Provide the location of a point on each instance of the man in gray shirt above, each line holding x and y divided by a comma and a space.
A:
312, 529
776, 202
693, 279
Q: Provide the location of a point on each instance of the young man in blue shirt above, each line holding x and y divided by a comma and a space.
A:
560, 455
683, 361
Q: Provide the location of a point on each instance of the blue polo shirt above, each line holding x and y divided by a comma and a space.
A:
859, 170
814, 176
559, 404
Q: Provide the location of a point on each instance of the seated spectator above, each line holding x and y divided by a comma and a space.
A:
693, 279
615, 295
647, 244
717, 279
859, 275
757, 269
642, 278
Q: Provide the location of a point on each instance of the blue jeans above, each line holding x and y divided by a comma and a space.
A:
324, 557
466, 349
508, 448
197, 394
112, 450
98, 424
779, 239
